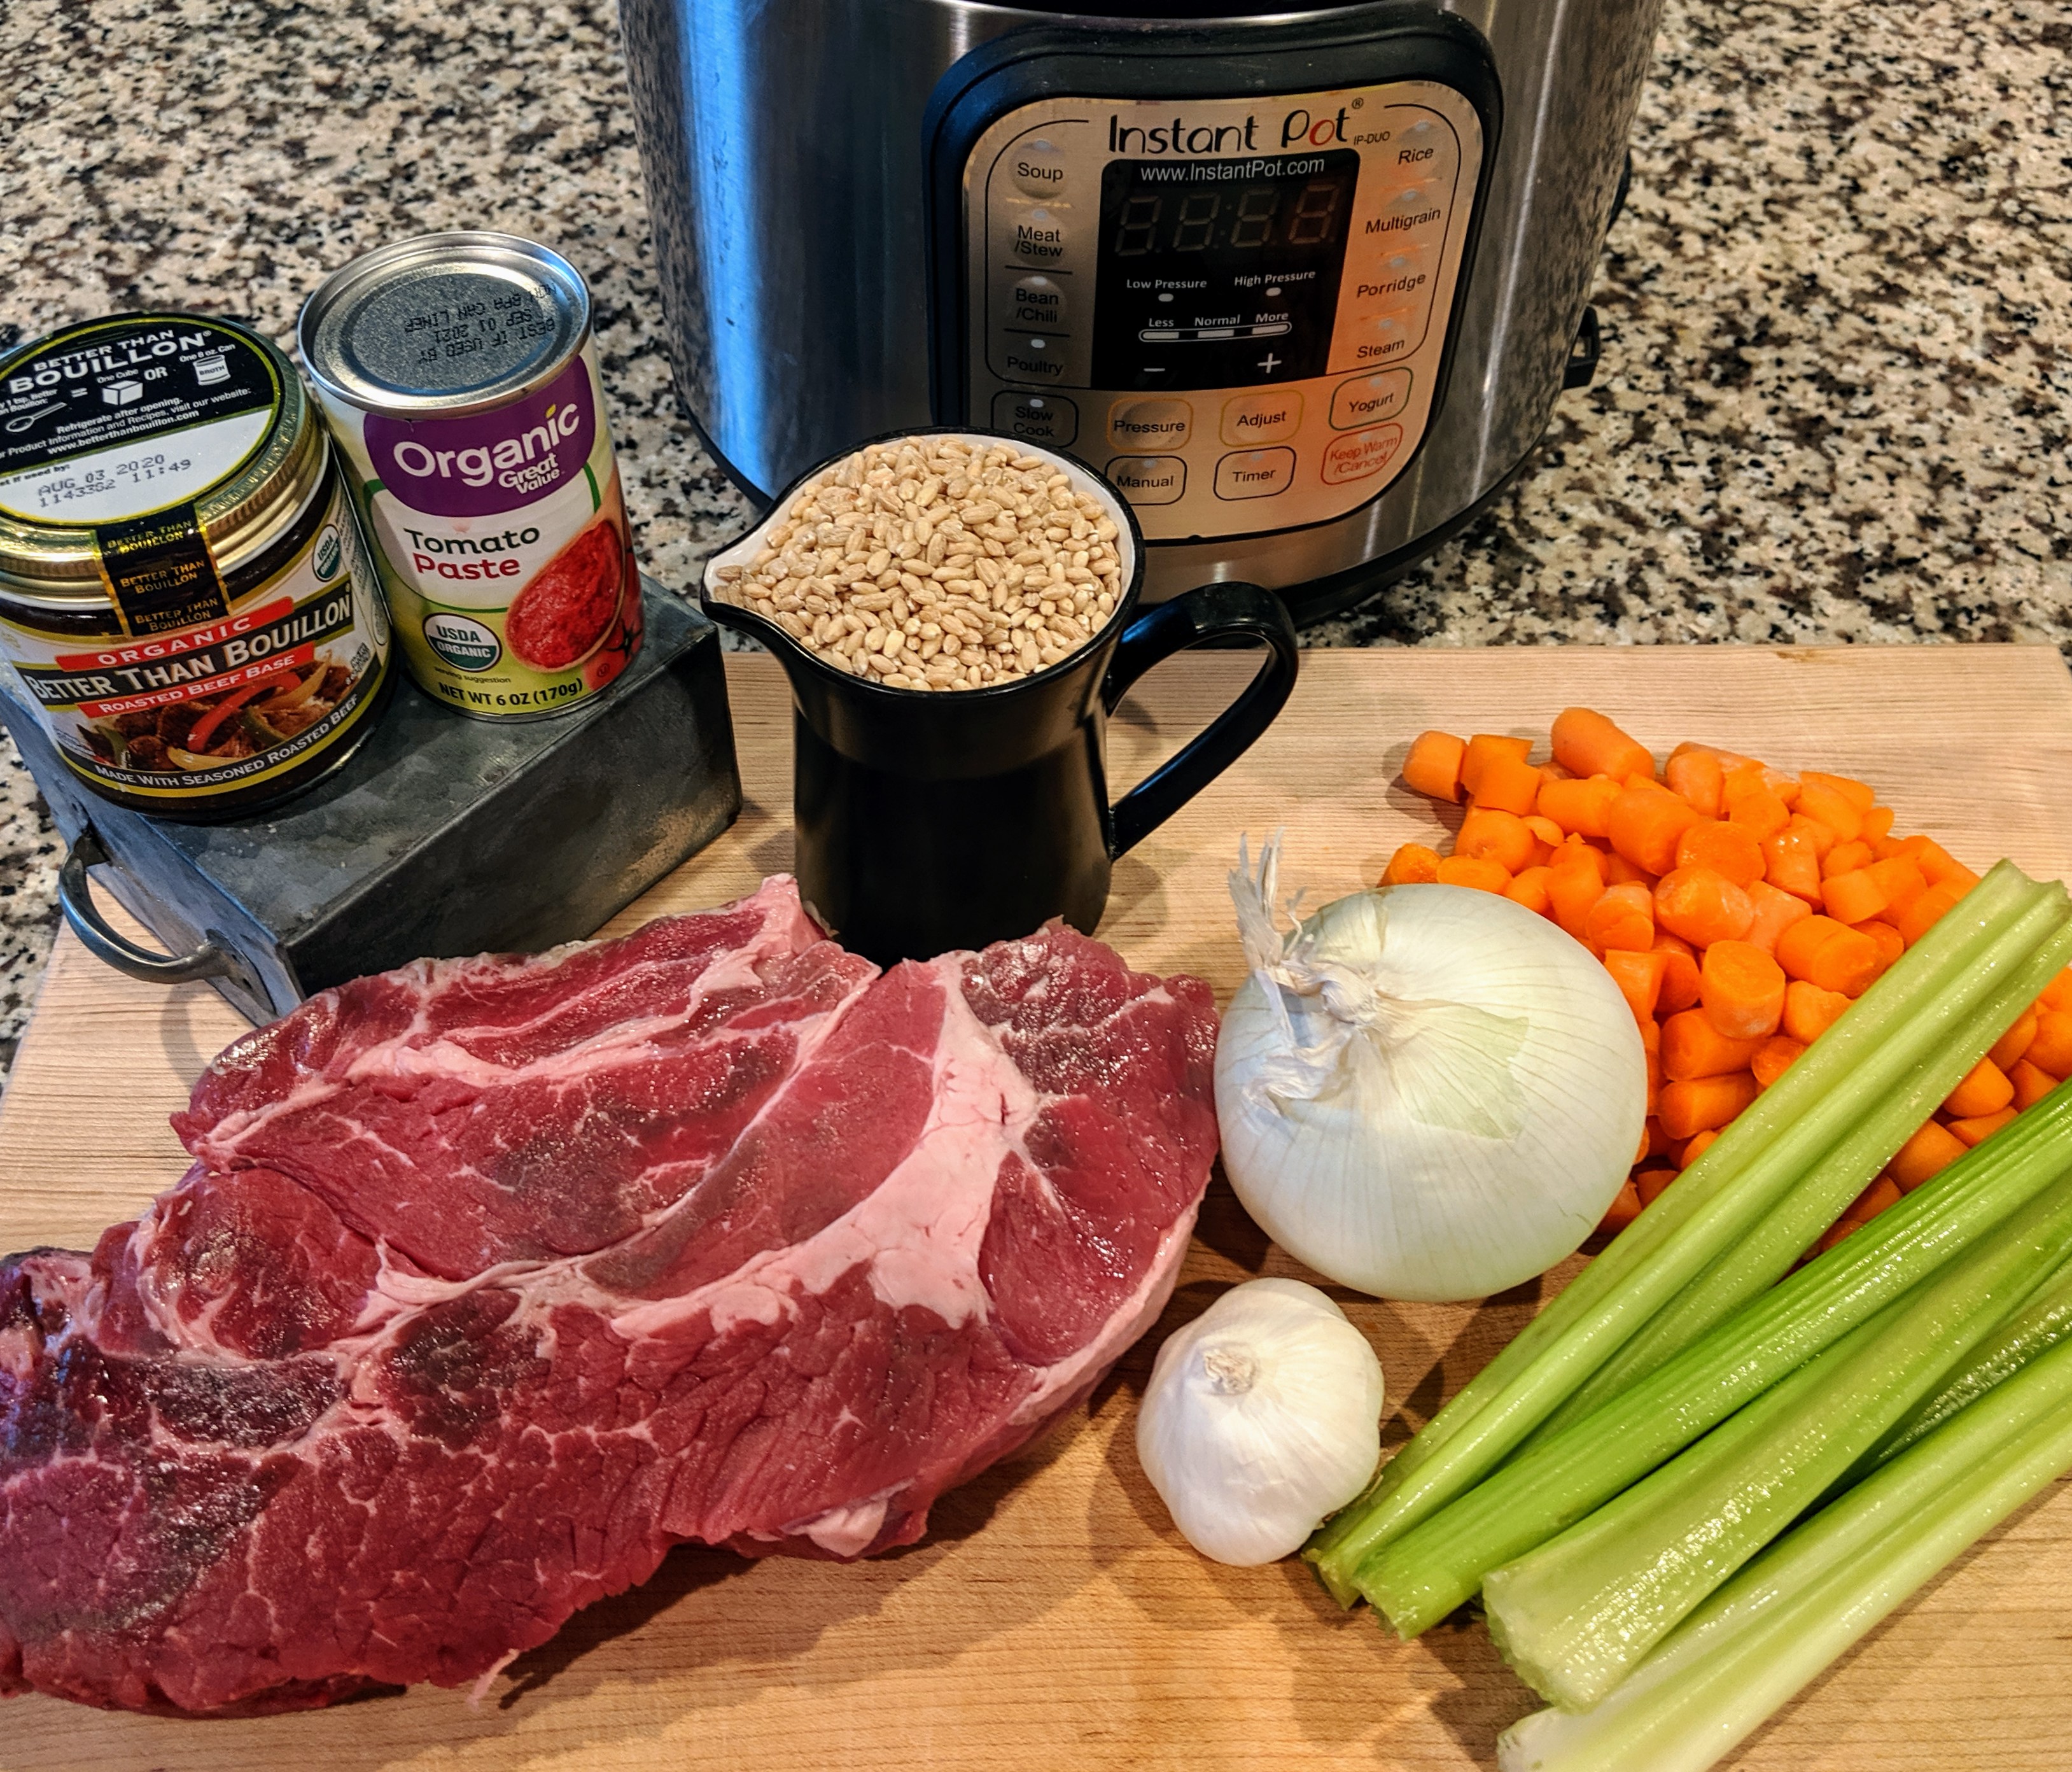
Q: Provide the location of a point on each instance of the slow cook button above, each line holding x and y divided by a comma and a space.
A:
1366, 400
1361, 453
1036, 418
1136, 424
1037, 166
1148, 480
1262, 418
1255, 473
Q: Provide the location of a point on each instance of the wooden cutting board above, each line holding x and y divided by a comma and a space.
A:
1053, 1619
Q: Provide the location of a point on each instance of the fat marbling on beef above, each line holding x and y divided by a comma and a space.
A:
493, 1279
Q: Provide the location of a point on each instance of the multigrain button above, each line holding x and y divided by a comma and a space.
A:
1148, 480
1140, 424
1037, 166
1262, 418
1036, 418
1360, 452
1366, 400
1255, 473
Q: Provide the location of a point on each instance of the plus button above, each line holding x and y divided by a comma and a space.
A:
1269, 363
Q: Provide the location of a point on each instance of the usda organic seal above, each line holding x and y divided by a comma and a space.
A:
465, 645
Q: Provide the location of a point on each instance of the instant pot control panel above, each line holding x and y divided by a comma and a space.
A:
1237, 307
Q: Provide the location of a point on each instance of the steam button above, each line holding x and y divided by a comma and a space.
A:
1037, 166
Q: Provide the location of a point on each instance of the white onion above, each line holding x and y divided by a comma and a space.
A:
1425, 1091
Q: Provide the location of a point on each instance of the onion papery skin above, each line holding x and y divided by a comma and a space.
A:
1356, 1181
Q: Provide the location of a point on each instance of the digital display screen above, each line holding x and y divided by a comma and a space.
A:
1219, 273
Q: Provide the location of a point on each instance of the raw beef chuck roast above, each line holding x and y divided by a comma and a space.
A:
493, 1279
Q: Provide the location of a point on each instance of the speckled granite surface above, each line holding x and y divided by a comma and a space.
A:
1837, 382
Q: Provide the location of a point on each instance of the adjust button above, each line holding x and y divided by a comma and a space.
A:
1037, 166
1255, 473
1361, 453
1262, 418
1148, 480
1366, 400
1141, 424
1036, 418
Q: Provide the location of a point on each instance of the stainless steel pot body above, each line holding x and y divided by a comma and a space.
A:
789, 174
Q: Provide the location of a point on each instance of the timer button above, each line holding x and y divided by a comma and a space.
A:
1148, 480
1361, 453
1037, 166
1135, 424
1036, 418
1262, 418
1366, 400
1036, 300
1255, 473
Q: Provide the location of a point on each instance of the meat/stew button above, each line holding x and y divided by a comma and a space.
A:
1360, 452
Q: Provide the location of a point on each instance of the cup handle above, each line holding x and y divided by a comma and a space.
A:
1211, 612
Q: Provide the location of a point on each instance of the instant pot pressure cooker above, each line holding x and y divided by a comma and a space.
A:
1304, 285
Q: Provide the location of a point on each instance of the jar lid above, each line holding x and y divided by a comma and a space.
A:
449, 323
112, 424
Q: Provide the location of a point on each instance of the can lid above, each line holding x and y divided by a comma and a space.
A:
111, 422
448, 323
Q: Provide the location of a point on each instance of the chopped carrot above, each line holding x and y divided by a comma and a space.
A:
1877, 823
1774, 1059
1775, 912
1890, 943
2030, 1085
1622, 1211
1923, 915
1651, 1043
1742, 990
2050, 1046
1639, 977
1655, 1142
1979, 1128
1883, 1192
1412, 864
1433, 767
1702, 907
1582, 807
1839, 1231
1484, 748
1854, 897
1900, 879
1845, 858
1694, 1147
1698, 776
1704, 1103
1622, 917
1650, 1184
1644, 824
1510, 784
1692, 1047
1547, 831
1940, 866
1585, 741
1501, 837
1860, 795
1926, 1155
1831, 955
1476, 871
1679, 972
1573, 886
1618, 871
1837, 811
1530, 889
1821, 837
2009, 1047
1750, 801
1984, 1090
1791, 860
2058, 993
1809, 1011
1726, 849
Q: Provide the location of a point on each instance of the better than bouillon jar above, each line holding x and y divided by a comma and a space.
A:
182, 588
458, 377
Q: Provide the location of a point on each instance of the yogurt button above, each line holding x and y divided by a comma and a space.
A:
1366, 400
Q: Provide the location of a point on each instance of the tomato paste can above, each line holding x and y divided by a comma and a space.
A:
458, 375
183, 592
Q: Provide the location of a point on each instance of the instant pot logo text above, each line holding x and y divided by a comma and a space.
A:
490, 461
1298, 128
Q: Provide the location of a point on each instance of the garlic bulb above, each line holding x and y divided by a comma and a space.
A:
1424, 1091
1264, 1415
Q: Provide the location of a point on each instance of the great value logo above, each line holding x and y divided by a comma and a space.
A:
488, 461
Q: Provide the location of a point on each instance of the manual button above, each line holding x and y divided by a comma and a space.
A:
1262, 418
1148, 480
1255, 473
1140, 424
1036, 418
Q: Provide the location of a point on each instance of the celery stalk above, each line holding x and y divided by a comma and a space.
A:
1931, 991
1417, 1579
1759, 1259
1574, 1616
1802, 1603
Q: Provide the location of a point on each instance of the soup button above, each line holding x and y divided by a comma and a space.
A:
1360, 452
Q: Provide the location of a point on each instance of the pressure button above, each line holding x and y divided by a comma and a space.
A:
1149, 424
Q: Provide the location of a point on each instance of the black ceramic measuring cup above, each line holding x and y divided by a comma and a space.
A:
932, 821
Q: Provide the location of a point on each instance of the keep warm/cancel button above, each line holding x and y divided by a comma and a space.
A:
1360, 452
1255, 473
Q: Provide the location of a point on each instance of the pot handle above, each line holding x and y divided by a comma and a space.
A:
1211, 612
107, 944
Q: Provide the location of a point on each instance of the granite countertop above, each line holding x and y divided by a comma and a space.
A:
1836, 387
